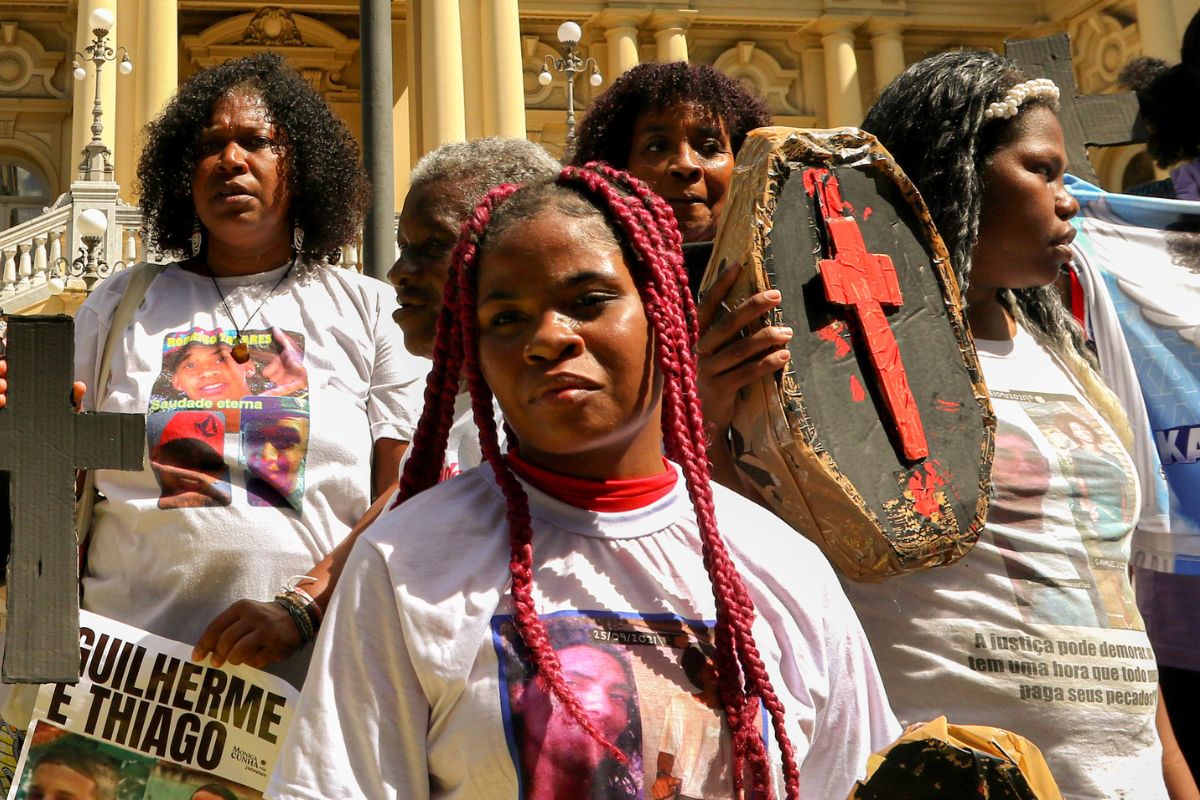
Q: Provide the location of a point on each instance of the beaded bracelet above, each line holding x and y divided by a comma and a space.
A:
302, 611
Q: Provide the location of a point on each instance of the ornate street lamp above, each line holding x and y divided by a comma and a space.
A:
89, 265
572, 65
97, 164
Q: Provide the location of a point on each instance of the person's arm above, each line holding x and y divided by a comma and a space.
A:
665, 786
729, 360
1176, 774
385, 466
259, 633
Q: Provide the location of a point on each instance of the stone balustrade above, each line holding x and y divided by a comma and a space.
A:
35, 256
28, 254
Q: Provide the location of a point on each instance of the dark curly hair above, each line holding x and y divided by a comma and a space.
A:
606, 133
1167, 97
330, 189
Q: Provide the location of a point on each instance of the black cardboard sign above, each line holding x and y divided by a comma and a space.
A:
42, 444
1097, 120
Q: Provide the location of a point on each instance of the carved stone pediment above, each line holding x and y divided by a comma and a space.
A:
272, 26
748, 62
26, 67
319, 52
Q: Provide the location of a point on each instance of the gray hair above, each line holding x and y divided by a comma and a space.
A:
476, 166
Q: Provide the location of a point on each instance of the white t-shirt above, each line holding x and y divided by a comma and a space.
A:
1035, 630
417, 690
254, 471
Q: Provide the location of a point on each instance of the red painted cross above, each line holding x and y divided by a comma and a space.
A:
864, 282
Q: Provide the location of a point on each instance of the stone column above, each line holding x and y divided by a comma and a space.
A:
887, 47
474, 38
504, 79
442, 95
85, 90
1156, 27
841, 71
670, 33
812, 71
127, 126
412, 69
401, 98
1184, 11
621, 32
156, 59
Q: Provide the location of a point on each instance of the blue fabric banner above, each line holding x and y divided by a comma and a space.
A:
1138, 259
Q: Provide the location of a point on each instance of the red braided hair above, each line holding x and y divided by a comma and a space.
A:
645, 224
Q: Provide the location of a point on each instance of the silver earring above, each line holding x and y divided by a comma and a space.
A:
197, 240
298, 238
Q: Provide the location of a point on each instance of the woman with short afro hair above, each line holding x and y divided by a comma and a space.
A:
606, 132
678, 127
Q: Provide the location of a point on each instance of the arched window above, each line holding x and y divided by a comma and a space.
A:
24, 192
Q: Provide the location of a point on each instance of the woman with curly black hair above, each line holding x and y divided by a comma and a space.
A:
251, 182
678, 127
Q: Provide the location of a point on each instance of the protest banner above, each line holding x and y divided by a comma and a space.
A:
145, 722
1138, 259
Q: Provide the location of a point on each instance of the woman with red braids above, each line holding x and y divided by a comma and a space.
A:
518, 630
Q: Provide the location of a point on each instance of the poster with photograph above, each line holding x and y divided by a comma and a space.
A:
145, 722
651, 685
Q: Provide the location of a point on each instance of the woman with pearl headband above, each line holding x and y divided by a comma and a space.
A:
1035, 630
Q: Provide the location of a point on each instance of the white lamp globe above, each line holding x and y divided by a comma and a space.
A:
569, 32
92, 222
544, 78
56, 284
596, 79
79, 72
126, 66
101, 19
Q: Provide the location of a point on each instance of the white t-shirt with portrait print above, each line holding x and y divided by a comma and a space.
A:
254, 471
417, 688
1035, 630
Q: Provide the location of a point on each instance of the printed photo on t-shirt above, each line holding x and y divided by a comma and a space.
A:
274, 446
200, 372
187, 454
649, 685
210, 388
1061, 508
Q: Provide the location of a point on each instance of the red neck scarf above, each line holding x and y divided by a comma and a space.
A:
629, 494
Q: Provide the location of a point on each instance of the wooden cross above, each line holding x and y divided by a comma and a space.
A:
42, 443
865, 282
1098, 120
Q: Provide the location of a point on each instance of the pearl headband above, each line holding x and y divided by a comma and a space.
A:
1014, 97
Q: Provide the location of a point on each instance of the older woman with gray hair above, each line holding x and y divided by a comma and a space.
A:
445, 185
